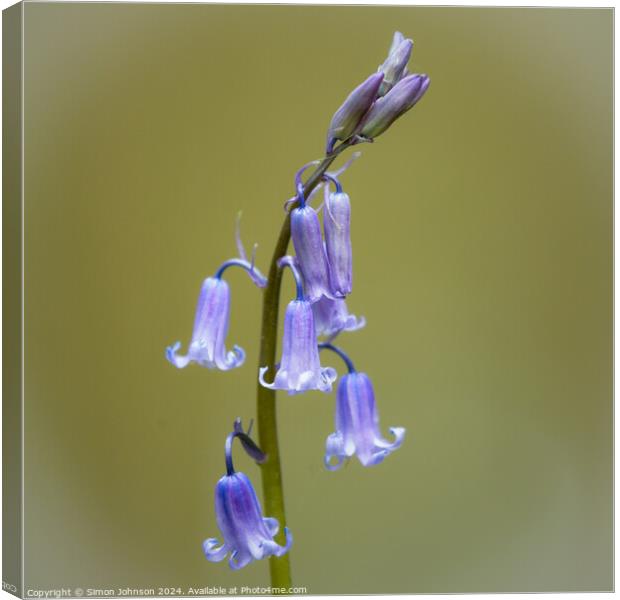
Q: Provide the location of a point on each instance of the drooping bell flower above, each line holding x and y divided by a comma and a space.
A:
401, 98
337, 226
347, 118
395, 65
247, 535
207, 347
300, 369
332, 317
309, 247
357, 422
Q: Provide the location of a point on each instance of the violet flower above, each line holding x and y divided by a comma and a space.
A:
309, 247
207, 347
337, 226
357, 421
402, 97
300, 368
247, 534
332, 316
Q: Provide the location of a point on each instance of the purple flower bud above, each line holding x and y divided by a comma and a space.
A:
357, 425
210, 329
332, 316
403, 96
247, 534
348, 116
300, 368
310, 251
395, 64
337, 225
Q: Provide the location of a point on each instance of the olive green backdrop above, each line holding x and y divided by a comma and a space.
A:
482, 238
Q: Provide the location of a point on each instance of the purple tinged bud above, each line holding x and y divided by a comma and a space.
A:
246, 533
310, 251
332, 316
403, 96
300, 368
397, 39
396, 63
337, 225
211, 322
357, 425
349, 115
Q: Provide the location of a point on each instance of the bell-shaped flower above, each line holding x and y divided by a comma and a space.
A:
337, 226
247, 535
300, 369
332, 317
357, 422
401, 98
395, 65
347, 118
207, 347
310, 252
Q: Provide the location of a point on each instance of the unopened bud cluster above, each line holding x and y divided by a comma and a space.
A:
377, 102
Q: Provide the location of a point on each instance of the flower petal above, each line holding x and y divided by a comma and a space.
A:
261, 378
238, 560
334, 448
211, 552
180, 362
399, 436
273, 526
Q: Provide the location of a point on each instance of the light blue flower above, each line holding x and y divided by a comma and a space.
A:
207, 347
300, 368
357, 422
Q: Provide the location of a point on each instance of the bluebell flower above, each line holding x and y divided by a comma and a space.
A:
310, 252
357, 422
207, 347
247, 535
337, 226
309, 247
300, 368
332, 316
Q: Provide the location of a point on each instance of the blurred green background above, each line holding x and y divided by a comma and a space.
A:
483, 263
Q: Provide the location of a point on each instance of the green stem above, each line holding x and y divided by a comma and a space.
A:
273, 496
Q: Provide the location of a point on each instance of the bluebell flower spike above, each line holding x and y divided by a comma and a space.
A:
357, 421
247, 534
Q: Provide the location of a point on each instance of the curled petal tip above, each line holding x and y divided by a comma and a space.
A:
180, 362
211, 552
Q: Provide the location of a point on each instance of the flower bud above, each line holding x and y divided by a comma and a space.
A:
348, 116
337, 226
395, 64
311, 257
403, 96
